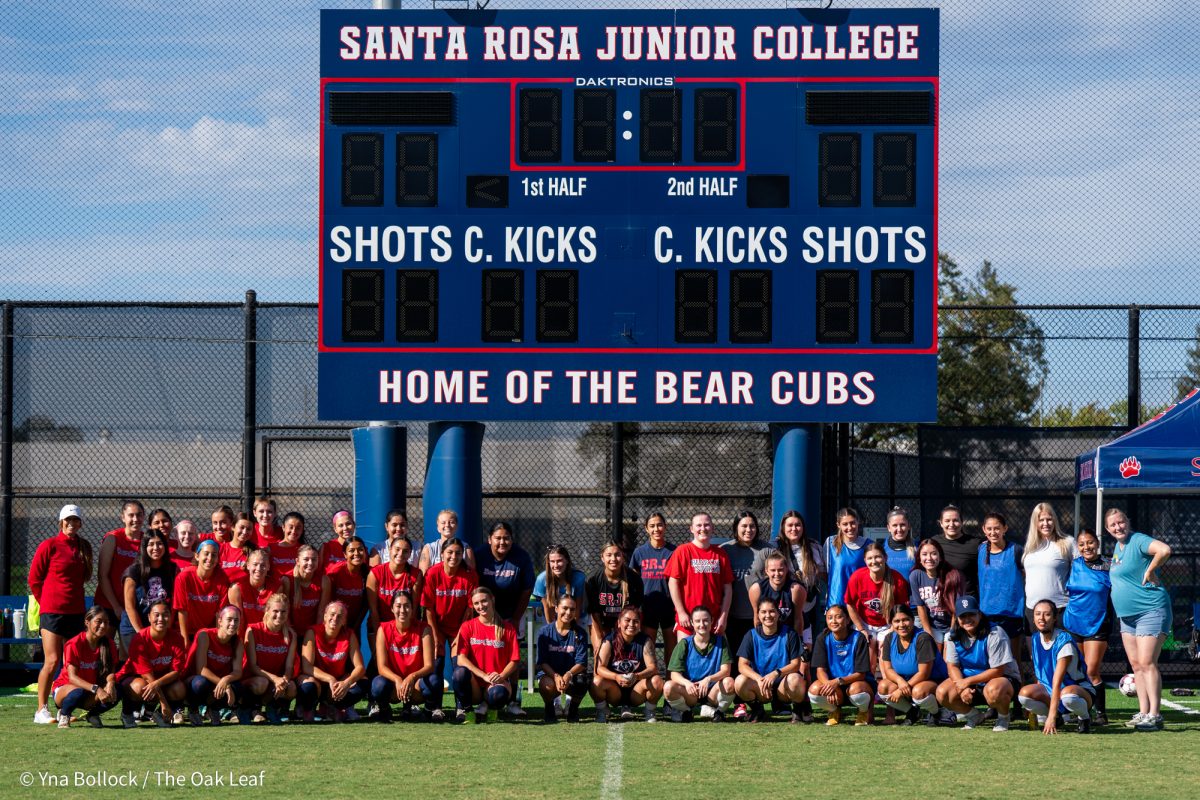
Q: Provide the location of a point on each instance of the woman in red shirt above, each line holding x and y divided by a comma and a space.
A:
404, 655
61, 566
266, 532
88, 678
446, 598
284, 552
237, 550
331, 668
215, 666
270, 662
388, 578
200, 591
308, 584
333, 552
154, 670
870, 594
222, 525
251, 592
118, 550
183, 551
348, 583
488, 657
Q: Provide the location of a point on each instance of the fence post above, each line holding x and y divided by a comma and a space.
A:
6, 451
616, 479
249, 398
1134, 415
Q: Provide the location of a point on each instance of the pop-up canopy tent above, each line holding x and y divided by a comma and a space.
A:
1161, 456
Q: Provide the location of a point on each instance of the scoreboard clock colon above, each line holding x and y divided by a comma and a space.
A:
641, 215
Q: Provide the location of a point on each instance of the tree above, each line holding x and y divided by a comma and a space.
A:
991, 357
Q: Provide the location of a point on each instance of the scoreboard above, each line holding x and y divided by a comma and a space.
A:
629, 215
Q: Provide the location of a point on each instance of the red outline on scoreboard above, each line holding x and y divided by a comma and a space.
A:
513, 166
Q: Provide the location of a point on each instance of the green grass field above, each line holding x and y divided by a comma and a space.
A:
631, 760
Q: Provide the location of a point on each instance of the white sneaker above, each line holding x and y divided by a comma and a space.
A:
64, 720
561, 704
973, 718
706, 711
43, 716
1001, 724
1132, 722
626, 712
514, 710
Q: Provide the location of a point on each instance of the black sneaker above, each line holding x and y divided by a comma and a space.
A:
1099, 718
128, 720
551, 717
572, 715
94, 720
1084, 726
719, 716
686, 716
160, 720
910, 717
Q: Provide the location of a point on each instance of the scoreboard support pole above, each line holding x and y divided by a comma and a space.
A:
380, 484
796, 475
454, 478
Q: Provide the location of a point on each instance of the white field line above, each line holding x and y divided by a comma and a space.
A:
1168, 703
614, 753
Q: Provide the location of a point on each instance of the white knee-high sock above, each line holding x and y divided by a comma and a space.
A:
902, 705
861, 699
679, 704
821, 702
928, 703
724, 701
1036, 706
1076, 705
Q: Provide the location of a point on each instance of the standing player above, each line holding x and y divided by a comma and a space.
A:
266, 532
395, 526
935, 587
982, 669
446, 598
626, 669
393, 575
309, 584
870, 594
744, 551
562, 651
333, 552
1058, 667
610, 590
650, 561
844, 554
900, 542
431, 552
700, 672
1047, 561
118, 550
560, 579
250, 593
200, 591
1089, 615
507, 570
1002, 580
283, 552
237, 550
959, 549
488, 658
61, 566
348, 583
146, 581
700, 575
183, 549
222, 525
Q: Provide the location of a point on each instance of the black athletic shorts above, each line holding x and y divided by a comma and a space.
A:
658, 612
65, 625
977, 698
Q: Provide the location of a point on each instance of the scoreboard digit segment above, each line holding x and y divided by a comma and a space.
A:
638, 215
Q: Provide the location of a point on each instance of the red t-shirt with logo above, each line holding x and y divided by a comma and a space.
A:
449, 596
403, 648
387, 584
703, 573
862, 594
200, 599
148, 657
85, 658
491, 653
124, 554
332, 657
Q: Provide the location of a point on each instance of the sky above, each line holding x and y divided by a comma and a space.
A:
165, 152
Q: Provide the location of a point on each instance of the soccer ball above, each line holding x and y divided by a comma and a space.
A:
1127, 686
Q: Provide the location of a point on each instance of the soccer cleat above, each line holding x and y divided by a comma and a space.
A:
1084, 726
794, 719
43, 716
352, 715
650, 709
862, 718
373, 711
910, 717
706, 711
194, 718
929, 720
551, 714
307, 716
1001, 724
974, 717
514, 710
214, 715
626, 712
437, 715
947, 717
741, 713
160, 720
718, 715
243, 716
64, 720
127, 720
94, 720
1099, 718
1032, 721
177, 718
601, 715
273, 716
572, 715
460, 716
835, 716
674, 714
258, 718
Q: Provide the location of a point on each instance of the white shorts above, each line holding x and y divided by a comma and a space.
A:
877, 632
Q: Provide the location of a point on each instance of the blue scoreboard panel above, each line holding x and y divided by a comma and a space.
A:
629, 215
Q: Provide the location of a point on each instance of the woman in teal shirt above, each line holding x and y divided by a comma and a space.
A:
1143, 606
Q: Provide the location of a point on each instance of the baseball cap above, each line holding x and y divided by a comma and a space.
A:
70, 511
966, 605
